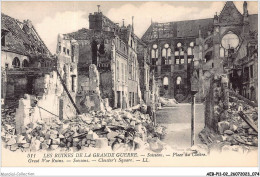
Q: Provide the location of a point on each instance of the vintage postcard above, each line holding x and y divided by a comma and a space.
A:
129, 84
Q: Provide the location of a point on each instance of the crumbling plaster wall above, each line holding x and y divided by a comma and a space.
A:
47, 106
8, 57
50, 100
217, 102
103, 56
89, 97
85, 53
67, 63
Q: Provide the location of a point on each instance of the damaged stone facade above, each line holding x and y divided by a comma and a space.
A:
113, 49
174, 45
24, 58
217, 102
230, 119
32, 78
66, 105
144, 68
226, 50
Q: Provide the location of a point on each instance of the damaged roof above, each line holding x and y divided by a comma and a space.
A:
178, 29
253, 22
22, 38
89, 34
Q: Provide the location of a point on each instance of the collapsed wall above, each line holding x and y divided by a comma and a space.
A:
230, 119
38, 126
89, 97
53, 102
216, 103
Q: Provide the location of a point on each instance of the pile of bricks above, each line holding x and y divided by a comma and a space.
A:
115, 129
237, 132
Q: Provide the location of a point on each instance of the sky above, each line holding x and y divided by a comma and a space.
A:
52, 18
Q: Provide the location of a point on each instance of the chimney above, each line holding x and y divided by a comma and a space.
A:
245, 11
132, 23
123, 22
98, 8
216, 18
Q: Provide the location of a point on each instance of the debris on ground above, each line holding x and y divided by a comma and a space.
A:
168, 102
116, 129
238, 132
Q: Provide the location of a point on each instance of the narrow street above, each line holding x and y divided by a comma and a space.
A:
178, 122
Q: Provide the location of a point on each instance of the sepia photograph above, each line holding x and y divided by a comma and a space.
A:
129, 84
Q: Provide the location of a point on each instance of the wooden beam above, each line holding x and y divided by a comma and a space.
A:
249, 121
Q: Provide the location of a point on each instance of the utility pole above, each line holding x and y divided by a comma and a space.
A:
194, 90
192, 118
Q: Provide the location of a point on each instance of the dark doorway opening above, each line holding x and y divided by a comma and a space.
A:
118, 99
30, 85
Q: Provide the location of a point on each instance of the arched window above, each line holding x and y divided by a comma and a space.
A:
208, 56
165, 82
166, 54
221, 52
178, 83
179, 54
25, 63
154, 54
177, 57
169, 54
182, 55
190, 52
252, 90
16, 63
178, 80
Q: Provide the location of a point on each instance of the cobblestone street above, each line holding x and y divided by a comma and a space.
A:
178, 122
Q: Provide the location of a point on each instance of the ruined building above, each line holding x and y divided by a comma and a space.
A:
39, 85
22, 50
214, 44
113, 49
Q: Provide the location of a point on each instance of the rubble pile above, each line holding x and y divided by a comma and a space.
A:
115, 129
238, 132
167, 101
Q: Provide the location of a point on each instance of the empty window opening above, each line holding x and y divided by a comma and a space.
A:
25, 63
3, 39
73, 83
178, 82
16, 63
165, 83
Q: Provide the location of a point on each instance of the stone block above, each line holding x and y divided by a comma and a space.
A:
101, 143
222, 126
14, 147
56, 141
92, 136
53, 136
53, 147
26, 145
112, 135
44, 146
11, 141
35, 145
228, 132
